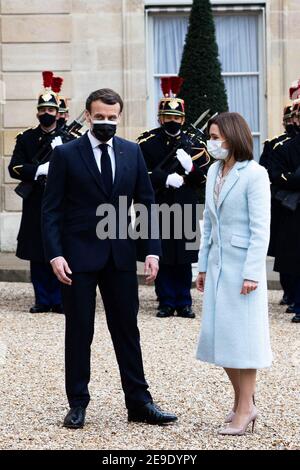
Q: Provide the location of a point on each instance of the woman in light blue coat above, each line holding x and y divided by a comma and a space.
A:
232, 265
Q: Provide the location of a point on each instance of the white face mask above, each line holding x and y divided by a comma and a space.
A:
216, 150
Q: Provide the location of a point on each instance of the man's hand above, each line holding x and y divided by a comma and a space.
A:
151, 269
200, 282
175, 180
185, 160
56, 141
248, 286
42, 170
61, 269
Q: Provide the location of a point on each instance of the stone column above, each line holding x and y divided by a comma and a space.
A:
97, 60
134, 67
108, 50
283, 57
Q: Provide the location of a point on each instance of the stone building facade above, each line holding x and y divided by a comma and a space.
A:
96, 43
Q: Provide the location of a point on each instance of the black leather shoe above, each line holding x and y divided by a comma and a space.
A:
290, 309
165, 312
296, 319
185, 312
284, 301
150, 414
57, 308
75, 418
39, 308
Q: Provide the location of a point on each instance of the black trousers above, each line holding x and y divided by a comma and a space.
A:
47, 288
287, 282
173, 285
119, 291
291, 288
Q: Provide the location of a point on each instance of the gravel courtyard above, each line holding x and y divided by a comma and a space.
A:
32, 383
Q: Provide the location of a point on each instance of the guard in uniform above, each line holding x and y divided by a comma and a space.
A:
29, 164
270, 147
290, 131
292, 128
270, 161
295, 112
285, 177
178, 180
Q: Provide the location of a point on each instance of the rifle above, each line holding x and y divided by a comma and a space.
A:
194, 135
72, 130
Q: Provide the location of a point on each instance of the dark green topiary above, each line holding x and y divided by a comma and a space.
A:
203, 85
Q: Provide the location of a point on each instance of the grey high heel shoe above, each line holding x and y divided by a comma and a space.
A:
231, 431
229, 417
231, 414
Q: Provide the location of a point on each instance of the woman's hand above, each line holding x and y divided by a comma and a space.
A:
248, 286
200, 282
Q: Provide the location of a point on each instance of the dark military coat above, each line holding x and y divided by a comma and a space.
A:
270, 145
270, 151
23, 167
285, 175
155, 146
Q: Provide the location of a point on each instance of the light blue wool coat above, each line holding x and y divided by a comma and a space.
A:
234, 243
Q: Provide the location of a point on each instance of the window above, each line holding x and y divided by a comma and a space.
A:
239, 36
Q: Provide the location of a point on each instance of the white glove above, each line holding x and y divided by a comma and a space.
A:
185, 160
56, 141
42, 170
175, 180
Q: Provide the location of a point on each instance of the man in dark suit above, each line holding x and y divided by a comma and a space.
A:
93, 171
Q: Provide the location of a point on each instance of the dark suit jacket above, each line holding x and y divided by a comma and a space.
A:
73, 193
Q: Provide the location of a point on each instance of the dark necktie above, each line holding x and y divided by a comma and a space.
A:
106, 170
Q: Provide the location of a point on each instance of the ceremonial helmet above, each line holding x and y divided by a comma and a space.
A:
48, 97
295, 97
170, 104
62, 101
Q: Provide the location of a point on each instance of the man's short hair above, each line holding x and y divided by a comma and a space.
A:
106, 95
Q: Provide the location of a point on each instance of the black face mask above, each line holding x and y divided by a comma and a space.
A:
104, 131
47, 120
61, 122
172, 127
289, 128
296, 128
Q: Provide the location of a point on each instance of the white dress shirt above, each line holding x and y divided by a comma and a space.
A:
97, 153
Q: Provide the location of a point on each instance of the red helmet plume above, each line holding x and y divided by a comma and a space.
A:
57, 84
176, 83
47, 79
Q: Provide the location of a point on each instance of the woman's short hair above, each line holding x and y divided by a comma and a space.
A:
235, 130
106, 95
